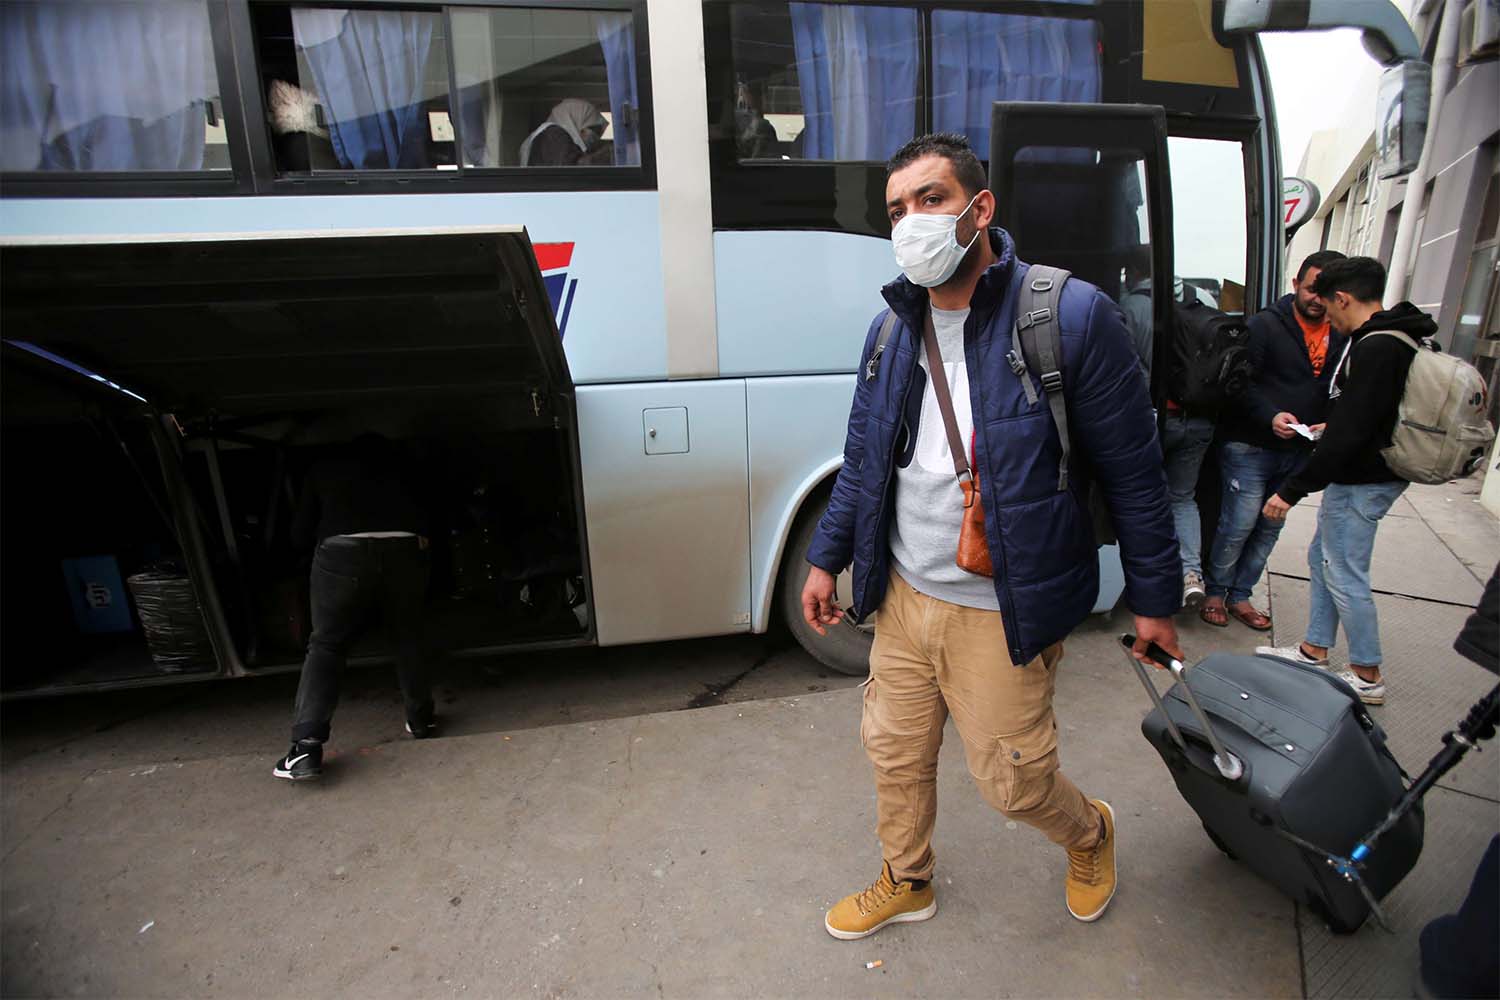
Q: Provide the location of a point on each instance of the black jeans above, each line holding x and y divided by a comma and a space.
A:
355, 581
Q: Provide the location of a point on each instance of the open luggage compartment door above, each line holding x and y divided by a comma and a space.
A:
246, 324
263, 352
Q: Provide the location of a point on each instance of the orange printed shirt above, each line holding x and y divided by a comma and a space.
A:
1316, 338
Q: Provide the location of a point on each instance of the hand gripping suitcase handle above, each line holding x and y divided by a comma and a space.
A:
1230, 766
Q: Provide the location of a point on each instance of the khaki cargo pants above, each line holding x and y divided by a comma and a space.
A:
931, 658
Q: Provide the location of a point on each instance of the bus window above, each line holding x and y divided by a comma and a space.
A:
90, 86
355, 89
979, 58
825, 81
542, 87
1208, 218
1085, 210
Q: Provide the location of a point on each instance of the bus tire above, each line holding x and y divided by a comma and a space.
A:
846, 647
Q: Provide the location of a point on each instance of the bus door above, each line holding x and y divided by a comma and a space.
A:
1086, 187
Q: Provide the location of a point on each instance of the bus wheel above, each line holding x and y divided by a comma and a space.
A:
846, 647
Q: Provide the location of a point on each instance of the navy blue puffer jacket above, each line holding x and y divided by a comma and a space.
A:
1041, 540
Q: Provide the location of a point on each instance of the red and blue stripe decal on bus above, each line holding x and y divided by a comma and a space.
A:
553, 259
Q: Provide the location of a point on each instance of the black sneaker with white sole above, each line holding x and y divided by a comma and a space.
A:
302, 762
421, 730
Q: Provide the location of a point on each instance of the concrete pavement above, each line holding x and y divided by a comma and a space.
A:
692, 853
685, 854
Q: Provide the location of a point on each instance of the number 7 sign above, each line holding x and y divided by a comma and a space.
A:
1299, 199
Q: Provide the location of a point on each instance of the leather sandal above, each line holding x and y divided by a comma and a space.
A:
1251, 618
1215, 615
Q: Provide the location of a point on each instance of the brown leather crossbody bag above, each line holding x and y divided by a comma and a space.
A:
973, 547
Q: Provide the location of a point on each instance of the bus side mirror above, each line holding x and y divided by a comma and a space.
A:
1387, 34
1406, 85
1401, 117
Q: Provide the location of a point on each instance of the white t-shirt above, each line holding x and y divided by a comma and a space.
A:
929, 501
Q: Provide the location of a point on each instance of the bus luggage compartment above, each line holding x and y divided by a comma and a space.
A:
193, 383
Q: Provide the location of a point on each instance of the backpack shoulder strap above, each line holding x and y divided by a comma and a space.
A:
887, 327
1405, 338
1040, 333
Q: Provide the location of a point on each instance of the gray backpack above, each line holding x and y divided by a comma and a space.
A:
1442, 432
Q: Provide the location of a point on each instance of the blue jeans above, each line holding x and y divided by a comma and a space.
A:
1184, 442
1338, 563
1244, 539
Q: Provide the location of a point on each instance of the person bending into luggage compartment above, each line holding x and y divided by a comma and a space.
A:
360, 509
1358, 487
1289, 346
950, 640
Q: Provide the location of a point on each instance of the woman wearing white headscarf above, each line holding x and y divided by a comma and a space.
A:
570, 132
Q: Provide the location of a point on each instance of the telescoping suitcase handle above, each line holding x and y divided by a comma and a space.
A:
1230, 766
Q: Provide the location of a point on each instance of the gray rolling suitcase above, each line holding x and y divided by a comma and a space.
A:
1285, 767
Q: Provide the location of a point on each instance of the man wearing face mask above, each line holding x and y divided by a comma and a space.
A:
983, 648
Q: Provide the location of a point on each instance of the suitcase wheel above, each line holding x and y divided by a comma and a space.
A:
1219, 843
1321, 910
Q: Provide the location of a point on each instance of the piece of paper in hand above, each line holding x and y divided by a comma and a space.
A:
1307, 431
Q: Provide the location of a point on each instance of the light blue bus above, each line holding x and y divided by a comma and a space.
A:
604, 266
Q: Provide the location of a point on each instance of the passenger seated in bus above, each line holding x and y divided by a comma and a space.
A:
301, 142
360, 514
570, 136
754, 136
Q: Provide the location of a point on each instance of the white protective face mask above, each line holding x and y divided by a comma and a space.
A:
927, 247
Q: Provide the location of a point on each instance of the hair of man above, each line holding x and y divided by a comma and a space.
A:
952, 147
1319, 259
1361, 278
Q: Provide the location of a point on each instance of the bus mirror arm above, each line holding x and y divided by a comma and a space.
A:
1387, 35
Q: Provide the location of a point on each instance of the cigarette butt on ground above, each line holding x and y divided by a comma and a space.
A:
874, 965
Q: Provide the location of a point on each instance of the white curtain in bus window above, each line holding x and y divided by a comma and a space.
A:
979, 58
858, 70
378, 80
88, 86
547, 88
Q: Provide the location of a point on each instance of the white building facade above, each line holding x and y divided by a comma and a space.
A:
1450, 271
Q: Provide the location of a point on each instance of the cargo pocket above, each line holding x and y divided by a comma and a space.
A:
867, 712
1026, 763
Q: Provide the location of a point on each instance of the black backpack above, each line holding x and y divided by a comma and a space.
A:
1208, 357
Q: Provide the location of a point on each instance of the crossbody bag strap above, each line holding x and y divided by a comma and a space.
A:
945, 403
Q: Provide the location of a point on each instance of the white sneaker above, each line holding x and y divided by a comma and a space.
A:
1192, 590
1370, 694
1293, 653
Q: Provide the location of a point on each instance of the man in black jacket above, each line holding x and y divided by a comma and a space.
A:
1358, 488
1291, 345
360, 508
